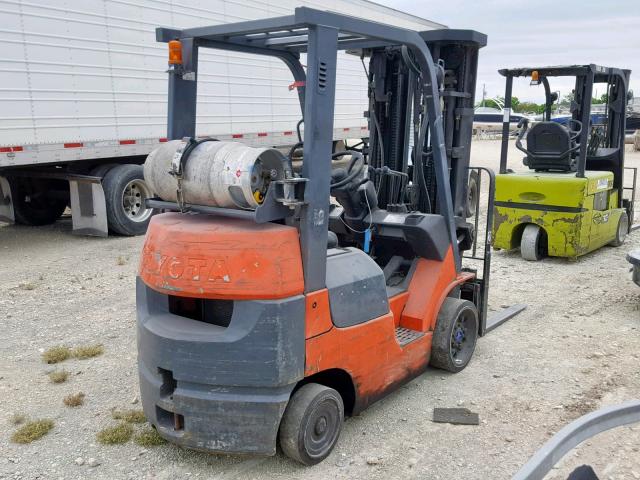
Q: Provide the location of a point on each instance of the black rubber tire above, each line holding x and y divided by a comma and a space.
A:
621, 231
101, 170
446, 337
533, 244
114, 184
33, 202
472, 194
312, 407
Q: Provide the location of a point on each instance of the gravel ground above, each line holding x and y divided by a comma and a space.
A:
574, 349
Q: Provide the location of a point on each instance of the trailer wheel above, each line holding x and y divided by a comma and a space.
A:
125, 192
472, 194
533, 245
101, 170
35, 202
454, 339
621, 231
311, 424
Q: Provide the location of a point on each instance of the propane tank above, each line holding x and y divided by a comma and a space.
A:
216, 174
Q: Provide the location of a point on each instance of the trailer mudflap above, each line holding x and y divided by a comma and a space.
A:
6, 206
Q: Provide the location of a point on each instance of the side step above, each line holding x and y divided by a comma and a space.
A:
405, 336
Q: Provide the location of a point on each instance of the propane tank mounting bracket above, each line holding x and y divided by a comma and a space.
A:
290, 191
177, 165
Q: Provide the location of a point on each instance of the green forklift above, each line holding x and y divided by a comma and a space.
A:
572, 199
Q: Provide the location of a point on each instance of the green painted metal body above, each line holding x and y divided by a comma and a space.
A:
579, 215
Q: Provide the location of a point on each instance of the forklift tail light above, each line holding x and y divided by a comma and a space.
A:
175, 52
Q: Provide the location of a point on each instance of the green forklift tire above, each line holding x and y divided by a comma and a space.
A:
621, 231
472, 194
533, 244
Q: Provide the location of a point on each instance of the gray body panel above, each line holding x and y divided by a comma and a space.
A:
231, 385
357, 289
425, 233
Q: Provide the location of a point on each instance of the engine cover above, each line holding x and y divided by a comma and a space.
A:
222, 258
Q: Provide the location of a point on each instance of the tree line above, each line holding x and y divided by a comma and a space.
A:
537, 108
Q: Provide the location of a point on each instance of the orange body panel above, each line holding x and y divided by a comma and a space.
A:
428, 283
318, 313
192, 256
370, 353
396, 306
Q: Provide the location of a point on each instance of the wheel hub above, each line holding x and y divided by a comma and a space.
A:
322, 429
134, 196
459, 335
321, 426
461, 348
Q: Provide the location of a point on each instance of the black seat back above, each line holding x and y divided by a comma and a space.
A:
549, 145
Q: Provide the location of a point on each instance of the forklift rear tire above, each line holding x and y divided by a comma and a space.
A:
454, 339
621, 231
311, 424
125, 192
533, 245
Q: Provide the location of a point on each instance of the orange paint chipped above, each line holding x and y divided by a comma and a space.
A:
205, 257
370, 353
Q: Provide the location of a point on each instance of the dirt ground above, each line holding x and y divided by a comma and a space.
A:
574, 349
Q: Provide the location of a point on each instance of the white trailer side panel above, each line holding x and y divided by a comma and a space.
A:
89, 72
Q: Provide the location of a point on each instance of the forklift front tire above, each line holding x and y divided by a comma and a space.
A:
454, 339
311, 424
621, 231
533, 245
472, 194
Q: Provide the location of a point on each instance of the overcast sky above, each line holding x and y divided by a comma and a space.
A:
539, 33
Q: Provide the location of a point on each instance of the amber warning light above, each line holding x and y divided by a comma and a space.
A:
175, 52
535, 78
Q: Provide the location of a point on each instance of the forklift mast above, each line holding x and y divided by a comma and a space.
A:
394, 113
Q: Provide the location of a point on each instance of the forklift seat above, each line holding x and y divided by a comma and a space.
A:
549, 147
604, 154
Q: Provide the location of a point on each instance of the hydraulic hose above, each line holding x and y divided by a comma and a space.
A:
293, 150
408, 60
422, 183
298, 129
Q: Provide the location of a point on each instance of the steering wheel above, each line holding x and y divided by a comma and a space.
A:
574, 133
523, 125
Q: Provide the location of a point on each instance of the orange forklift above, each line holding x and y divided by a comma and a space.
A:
268, 313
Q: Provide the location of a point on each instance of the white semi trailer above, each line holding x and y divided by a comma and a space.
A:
83, 100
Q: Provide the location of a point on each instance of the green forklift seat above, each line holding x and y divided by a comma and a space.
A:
549, 147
